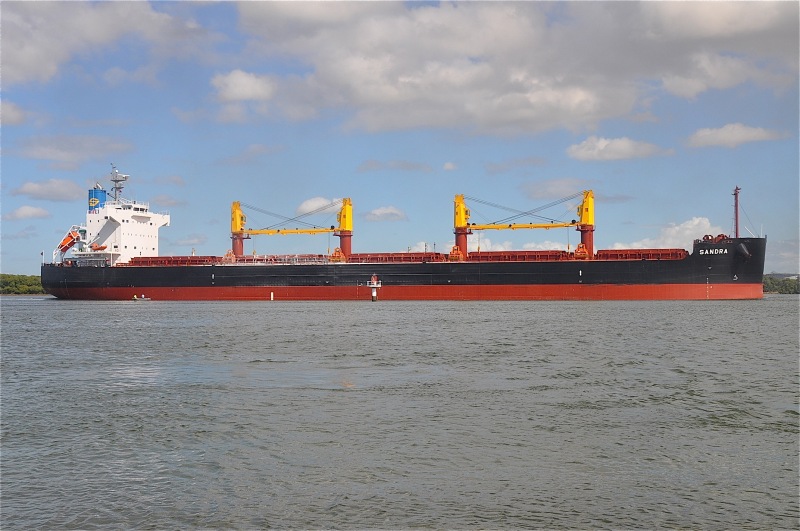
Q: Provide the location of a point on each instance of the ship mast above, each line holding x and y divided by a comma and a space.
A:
736, 211
117, 178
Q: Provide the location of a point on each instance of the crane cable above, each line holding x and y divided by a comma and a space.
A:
531, 212
296, 219
495, 205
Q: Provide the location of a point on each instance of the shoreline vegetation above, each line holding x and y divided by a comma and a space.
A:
32, 284
20, 284
781, 283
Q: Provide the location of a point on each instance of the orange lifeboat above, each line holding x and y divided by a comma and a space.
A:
95, 247
68, 241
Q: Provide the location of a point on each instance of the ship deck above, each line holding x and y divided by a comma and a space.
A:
398, 258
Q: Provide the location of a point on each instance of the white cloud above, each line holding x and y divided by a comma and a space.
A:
597, 148
52, 190
26, 212
69, 152
430, 247
39, 37
387, 213
11, 114
731, 135
506, 68
675, 236
242, 86
449, 166
478, 242
548, 246
483, 67
709, 71
695, 20
319, 205
461, 65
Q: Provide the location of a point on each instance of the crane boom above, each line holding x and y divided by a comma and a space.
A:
238, 220
585, 213
239, 231
584, 223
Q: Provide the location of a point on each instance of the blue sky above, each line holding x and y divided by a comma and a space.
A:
661, 108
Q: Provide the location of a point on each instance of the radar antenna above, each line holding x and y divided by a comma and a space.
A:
117, 178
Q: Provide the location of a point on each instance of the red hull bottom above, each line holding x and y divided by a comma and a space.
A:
565, 292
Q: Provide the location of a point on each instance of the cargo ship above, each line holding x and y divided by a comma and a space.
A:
114, 255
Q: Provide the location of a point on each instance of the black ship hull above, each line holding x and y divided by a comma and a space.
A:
730, 269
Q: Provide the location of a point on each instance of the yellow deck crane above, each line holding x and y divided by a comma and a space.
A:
584, 224
344, 231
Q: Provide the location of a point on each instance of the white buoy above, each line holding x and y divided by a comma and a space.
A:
374, 283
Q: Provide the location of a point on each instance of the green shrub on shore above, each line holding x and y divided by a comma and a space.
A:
20, 284
781, 284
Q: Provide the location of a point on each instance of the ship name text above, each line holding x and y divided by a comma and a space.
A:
713, 251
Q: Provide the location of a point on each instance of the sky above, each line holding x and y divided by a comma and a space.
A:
660, 108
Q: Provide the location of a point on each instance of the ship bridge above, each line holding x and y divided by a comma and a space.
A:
116, 229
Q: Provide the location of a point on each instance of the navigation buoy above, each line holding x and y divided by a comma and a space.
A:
374, 283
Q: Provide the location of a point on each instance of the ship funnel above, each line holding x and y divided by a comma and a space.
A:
97, 199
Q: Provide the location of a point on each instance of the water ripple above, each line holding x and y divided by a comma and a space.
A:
399, 415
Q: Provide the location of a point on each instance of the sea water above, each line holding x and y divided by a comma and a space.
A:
397, 415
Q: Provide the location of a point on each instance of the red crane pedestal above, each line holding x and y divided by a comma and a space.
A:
461, 240
587, 238
345, 242
237, 244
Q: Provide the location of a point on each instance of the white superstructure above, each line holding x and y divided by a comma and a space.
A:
116, 229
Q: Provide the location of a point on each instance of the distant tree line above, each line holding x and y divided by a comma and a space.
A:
20, 284
32, 284
781, 284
